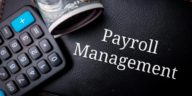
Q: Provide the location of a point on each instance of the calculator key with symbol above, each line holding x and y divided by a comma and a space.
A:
29, 54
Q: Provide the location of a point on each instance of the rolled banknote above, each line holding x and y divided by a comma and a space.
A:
64, 16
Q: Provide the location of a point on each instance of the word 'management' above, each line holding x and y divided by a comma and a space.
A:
124, 62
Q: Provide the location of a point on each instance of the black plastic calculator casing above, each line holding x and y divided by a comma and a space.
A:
47, 35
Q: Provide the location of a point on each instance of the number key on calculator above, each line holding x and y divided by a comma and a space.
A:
29, 54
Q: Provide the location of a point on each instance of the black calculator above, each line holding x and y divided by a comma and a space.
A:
29, 54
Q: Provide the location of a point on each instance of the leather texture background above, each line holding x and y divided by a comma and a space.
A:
165, 20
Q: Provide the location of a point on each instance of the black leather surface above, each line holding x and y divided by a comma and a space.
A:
164, 20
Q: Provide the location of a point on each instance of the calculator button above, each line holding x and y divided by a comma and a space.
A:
33, 74
45, 45
54, 59
6, 32
22, 80
24, 60
22, 21
4, 53
15, 46
2, 93
35, 53
36, 31
13, 66
43, 66
3, 74
26, 39
11, 87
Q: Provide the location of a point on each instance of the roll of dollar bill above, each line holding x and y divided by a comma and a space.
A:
65, 16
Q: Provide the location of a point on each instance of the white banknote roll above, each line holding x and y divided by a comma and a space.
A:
65, 16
